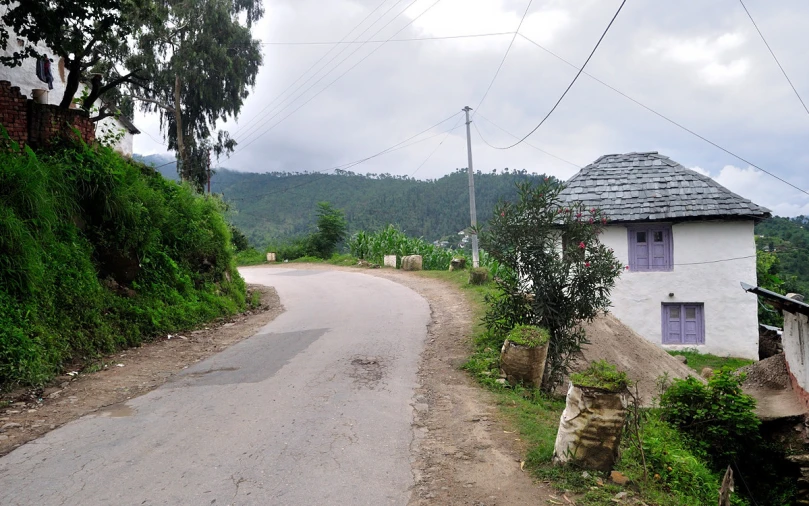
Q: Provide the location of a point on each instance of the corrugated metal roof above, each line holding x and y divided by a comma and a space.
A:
651, 187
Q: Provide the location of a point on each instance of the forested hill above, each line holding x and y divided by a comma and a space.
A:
267, 207
788, 238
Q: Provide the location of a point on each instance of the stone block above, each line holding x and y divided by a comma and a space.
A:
412, 263
389, 261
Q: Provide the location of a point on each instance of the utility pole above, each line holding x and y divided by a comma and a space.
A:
472, 211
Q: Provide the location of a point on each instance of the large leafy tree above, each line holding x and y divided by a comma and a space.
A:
89, 35
201, 60
561, 274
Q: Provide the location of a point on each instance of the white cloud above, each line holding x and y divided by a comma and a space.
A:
709, 55
762, 189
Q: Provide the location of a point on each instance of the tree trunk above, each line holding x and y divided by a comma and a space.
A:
726, 490
178, 121
72, 85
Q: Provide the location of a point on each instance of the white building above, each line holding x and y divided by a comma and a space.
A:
25, 77
686, 243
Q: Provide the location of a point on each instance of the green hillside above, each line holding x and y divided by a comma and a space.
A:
788, 239
268, 207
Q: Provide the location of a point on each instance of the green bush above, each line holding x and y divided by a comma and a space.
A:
98, 253
718, 418
528, 335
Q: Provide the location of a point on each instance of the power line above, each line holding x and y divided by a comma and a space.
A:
344, 73
414, 39
503, 61
661, 115
457, 124
774, 57
400, 145
324, 56
526, 142
571, 82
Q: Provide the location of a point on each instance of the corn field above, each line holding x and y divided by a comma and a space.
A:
392, 241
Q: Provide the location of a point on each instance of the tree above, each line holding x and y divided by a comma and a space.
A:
562, 274
201, 60
89, 35
331, 230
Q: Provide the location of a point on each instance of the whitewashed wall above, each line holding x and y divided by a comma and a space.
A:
731, 315
796, 350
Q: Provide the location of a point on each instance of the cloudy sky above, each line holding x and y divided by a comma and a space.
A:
701, 64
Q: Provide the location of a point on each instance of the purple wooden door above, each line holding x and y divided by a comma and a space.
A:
691, 325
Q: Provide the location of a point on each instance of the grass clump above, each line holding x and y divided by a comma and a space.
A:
528, 335
478, 275
99, 253
601, 375
698, 361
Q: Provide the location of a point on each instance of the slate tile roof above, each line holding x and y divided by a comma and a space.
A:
650, 187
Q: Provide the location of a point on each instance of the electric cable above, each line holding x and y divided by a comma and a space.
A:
340, 76
662, 116
516, 137
774, 57
573, 81
414, 39
503, 61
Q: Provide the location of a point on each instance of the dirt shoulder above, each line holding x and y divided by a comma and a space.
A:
123, 375
464, 453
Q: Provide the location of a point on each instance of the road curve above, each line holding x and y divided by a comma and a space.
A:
315, 409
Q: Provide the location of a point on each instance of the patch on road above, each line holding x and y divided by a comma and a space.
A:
368, 371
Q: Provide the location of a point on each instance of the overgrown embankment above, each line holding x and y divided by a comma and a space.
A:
99, 253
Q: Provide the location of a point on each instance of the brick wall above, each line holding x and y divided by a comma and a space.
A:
13, 112
37, 125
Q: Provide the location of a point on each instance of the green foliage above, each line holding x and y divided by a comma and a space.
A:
99, 253
331, 230
603, 375
278, 206
718, 418
528, 335
788, 240
392, 241
250, 257
238, 239
563, 273
202, 52
698, 361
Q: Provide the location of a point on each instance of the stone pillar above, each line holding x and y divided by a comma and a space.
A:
389, 261
412, 263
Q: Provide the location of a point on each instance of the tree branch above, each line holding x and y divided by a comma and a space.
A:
158, 103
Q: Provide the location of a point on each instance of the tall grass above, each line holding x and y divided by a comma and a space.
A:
98, 253
373, 246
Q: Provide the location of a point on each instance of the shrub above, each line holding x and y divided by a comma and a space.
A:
563, 274
718, 418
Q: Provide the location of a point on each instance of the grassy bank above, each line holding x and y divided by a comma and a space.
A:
698, 361
98, 253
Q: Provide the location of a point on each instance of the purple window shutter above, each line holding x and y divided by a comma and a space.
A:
683, 324
672, 324
641, 248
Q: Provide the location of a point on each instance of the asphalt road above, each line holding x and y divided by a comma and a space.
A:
315, 409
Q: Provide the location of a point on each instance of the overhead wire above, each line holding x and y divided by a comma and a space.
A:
503, 61
662, 116
256, 116
400, 145
341, 75
457, 124
516, 137
414, 39
575, 78
774, 57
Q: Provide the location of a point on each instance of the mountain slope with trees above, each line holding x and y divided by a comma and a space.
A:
788, 240
278, 206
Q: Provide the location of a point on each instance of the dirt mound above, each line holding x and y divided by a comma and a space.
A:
769, 373
644, 362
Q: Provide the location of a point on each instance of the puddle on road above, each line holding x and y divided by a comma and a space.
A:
119, 410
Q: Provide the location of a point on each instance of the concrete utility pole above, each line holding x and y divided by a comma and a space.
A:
472, 212
209, 172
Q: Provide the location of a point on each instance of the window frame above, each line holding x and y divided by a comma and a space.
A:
649, 230
699, 317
